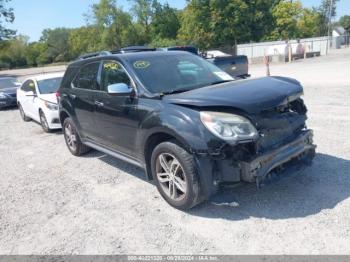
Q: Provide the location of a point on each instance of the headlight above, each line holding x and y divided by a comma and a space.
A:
229, 127
51, 106
3, 96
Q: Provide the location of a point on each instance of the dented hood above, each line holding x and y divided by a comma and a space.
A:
251, 96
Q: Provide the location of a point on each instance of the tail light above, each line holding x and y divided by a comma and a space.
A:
58, 96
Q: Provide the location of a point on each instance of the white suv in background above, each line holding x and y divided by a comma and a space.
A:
37, 100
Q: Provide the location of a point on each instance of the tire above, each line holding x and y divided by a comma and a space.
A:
73, 141
23, 115
181, 175
43, 122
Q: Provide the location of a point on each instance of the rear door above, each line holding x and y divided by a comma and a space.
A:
81, 96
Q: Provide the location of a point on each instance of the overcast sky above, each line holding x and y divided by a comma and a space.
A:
32, 16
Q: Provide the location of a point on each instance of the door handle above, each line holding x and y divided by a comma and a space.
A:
99, 104
72, 96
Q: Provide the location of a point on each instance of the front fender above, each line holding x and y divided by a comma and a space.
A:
179, 122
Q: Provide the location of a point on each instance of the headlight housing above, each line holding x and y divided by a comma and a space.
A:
51, 106
3, 96
229, 127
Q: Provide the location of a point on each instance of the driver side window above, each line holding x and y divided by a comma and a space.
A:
113, 73
29, 86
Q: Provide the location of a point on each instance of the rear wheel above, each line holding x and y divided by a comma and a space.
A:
23, 115
73, 142
43, 122
174, 171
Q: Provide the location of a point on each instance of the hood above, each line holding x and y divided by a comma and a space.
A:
251, 96
9, 90
49, 98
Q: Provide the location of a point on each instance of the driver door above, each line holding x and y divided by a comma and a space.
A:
115, 115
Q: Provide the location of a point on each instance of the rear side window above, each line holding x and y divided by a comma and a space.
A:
87, 77
113, 73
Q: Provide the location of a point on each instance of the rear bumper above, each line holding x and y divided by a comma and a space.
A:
301, 149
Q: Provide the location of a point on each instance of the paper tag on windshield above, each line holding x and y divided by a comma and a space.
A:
223, 75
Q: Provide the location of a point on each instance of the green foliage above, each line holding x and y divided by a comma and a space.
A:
327, 13
203, 23
344, 21
6, 15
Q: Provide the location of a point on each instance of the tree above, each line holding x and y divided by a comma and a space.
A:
209, 23
308, 24
344, 21
327, 14
6, 15
165, 21
113, 26
56, 41
143, 11
286, 15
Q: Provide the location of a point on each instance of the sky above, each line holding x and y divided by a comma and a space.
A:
33, 16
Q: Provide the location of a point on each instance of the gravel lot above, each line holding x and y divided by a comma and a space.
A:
54, 203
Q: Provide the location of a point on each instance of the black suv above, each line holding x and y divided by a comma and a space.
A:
190, 125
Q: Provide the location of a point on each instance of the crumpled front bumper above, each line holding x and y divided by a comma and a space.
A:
301, 149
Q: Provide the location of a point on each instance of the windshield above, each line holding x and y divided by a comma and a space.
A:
7, 82
49, 86
177, 72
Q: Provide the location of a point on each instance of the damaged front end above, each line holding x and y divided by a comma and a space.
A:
283, 140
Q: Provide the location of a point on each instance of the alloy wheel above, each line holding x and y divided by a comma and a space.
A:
44, 122
171, 176
70, 137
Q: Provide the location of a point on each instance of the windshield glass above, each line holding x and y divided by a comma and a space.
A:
49, 86
7, 82
169, 73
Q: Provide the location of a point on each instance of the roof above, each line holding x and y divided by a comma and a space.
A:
46, 76
127, 56
340, 30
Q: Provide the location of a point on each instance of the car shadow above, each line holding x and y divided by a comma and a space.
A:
122, 165
299, 194
319, 187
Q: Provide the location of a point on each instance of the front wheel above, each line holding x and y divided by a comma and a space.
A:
174, 171
43, 122
73, 142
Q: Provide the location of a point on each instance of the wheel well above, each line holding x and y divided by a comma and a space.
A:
153, 141
63, 116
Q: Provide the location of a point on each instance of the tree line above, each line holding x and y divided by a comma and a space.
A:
203, 23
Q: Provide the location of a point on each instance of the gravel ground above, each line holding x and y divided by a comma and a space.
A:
54, 203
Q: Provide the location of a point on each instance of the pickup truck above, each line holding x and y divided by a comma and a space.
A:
235, 66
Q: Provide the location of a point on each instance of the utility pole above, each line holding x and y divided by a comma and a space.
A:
329, 25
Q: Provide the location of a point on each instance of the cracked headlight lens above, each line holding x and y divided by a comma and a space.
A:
229, 127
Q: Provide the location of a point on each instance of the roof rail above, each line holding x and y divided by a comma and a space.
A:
134, 49
95, 54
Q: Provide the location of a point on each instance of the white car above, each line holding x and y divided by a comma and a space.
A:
37, 101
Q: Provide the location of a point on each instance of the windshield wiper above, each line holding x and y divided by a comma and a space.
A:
220, 82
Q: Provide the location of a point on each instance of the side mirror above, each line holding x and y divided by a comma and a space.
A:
119, 89
31, 93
